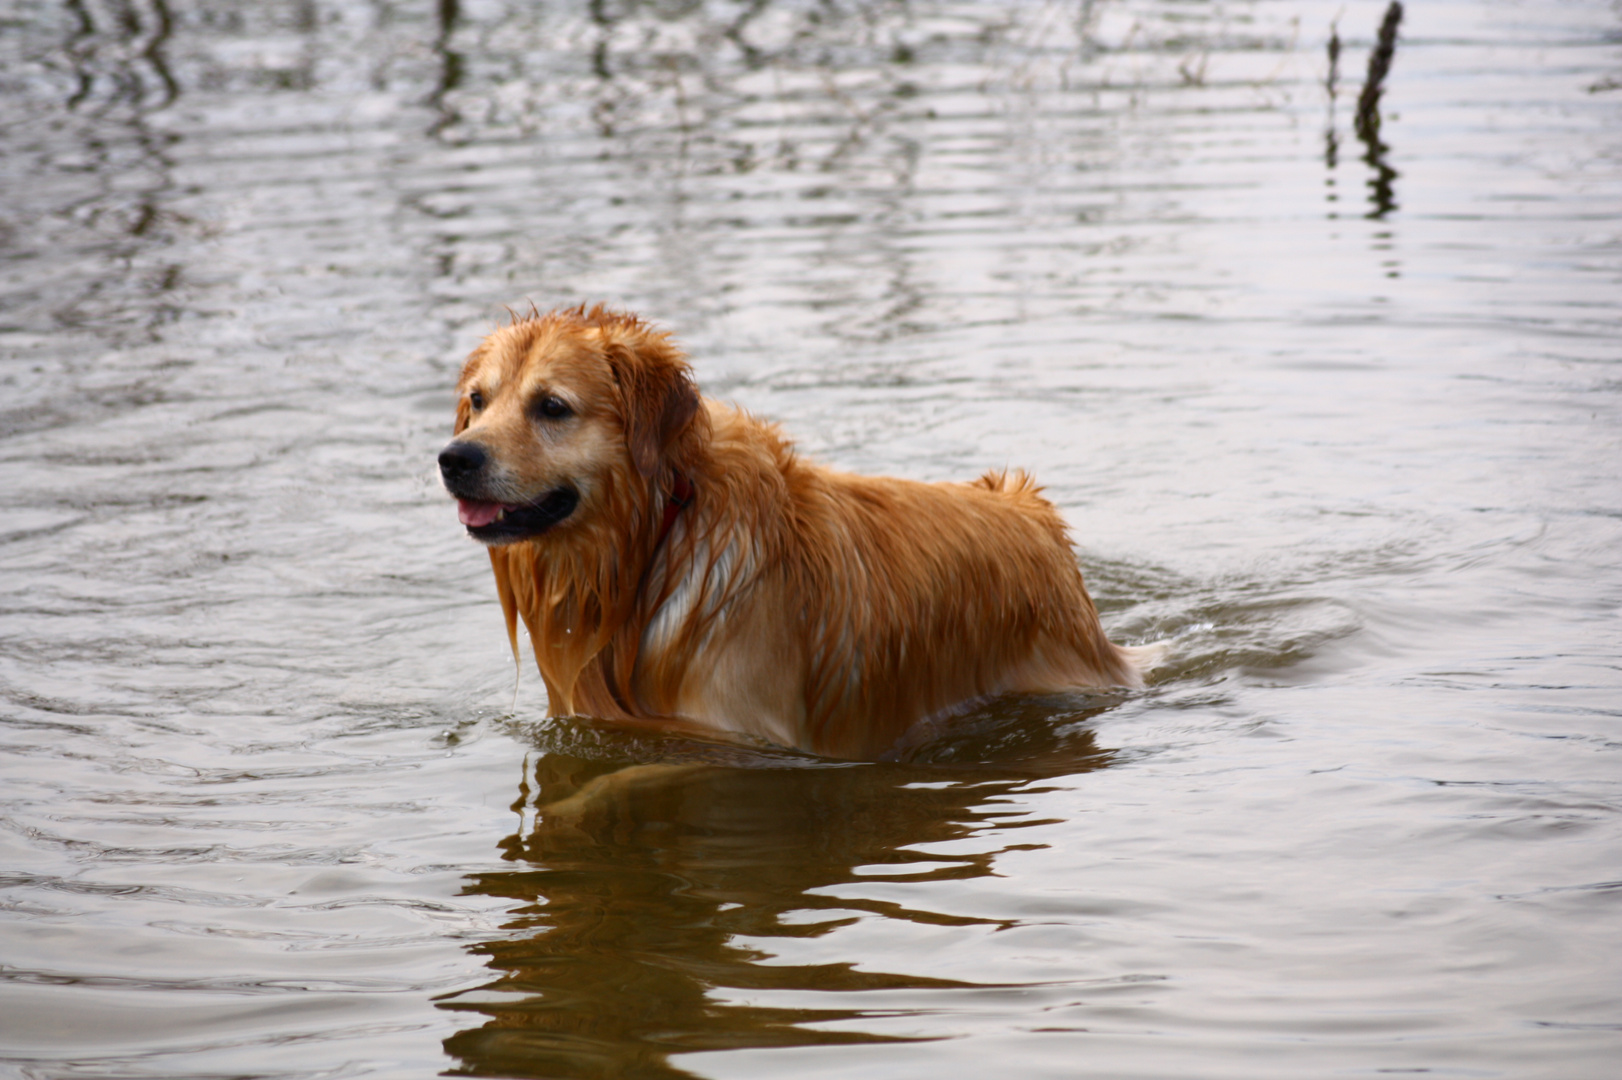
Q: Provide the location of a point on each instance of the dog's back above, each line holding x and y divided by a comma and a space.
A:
881, 601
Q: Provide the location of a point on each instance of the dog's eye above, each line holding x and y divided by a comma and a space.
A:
553, 408
475, 401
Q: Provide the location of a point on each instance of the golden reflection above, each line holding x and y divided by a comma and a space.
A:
645, 878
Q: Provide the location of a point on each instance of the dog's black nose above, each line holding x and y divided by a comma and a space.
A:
460, 460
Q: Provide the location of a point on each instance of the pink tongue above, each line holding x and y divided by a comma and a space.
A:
474, 514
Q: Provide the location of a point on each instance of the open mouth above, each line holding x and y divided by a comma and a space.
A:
503, 523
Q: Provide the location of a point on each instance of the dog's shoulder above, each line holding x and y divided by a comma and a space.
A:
738, 430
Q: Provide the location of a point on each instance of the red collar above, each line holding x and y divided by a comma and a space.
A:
681, 497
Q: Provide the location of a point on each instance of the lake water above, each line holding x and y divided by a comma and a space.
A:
1340, 419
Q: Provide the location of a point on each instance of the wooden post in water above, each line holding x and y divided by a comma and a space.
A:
1367, 121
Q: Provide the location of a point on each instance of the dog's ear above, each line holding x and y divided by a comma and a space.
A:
660, 401
464, 407
680, 405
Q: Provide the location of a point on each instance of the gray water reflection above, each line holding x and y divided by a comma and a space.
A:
647, 900
652, 879
117, 55
1346, 438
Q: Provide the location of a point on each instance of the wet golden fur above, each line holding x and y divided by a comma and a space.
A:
810, 607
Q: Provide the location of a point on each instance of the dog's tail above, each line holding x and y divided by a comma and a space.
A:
1145, 658
1009, 482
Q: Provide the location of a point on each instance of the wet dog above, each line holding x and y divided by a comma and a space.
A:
676, 562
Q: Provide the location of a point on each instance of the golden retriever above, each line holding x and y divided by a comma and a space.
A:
676, 562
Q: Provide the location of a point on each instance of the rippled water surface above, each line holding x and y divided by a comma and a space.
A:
1340, 417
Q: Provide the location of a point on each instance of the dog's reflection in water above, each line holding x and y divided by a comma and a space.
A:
647, 874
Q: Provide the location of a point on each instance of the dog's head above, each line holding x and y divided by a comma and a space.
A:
559, 414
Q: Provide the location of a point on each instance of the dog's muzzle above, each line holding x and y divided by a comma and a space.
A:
462, 467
